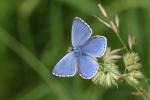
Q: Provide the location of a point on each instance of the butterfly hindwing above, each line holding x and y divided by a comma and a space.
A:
87, 67
66, 67
81, 32
95, 46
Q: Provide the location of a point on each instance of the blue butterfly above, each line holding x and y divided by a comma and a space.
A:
82, 58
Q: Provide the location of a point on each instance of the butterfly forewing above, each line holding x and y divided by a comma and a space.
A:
81, 32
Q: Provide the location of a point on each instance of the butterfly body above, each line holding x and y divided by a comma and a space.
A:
82, 58
78, 52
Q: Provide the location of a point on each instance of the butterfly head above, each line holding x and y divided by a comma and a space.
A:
78, 51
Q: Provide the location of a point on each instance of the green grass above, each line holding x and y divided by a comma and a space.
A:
35, 34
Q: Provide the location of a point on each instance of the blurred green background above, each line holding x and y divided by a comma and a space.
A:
35, 34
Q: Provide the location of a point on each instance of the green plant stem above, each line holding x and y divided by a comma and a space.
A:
122, 42
143, 96
147, 85
117, 33
109, 24
125, 47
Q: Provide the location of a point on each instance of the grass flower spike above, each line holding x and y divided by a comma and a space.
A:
111, 56
108, 73
131, 61
133, 78
107, 76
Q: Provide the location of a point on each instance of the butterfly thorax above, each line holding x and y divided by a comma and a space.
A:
78, 51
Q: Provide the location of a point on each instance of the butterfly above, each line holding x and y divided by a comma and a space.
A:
85, 51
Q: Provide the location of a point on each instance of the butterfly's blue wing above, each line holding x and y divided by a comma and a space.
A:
95, 46
87, 67
66, 67
81, 32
